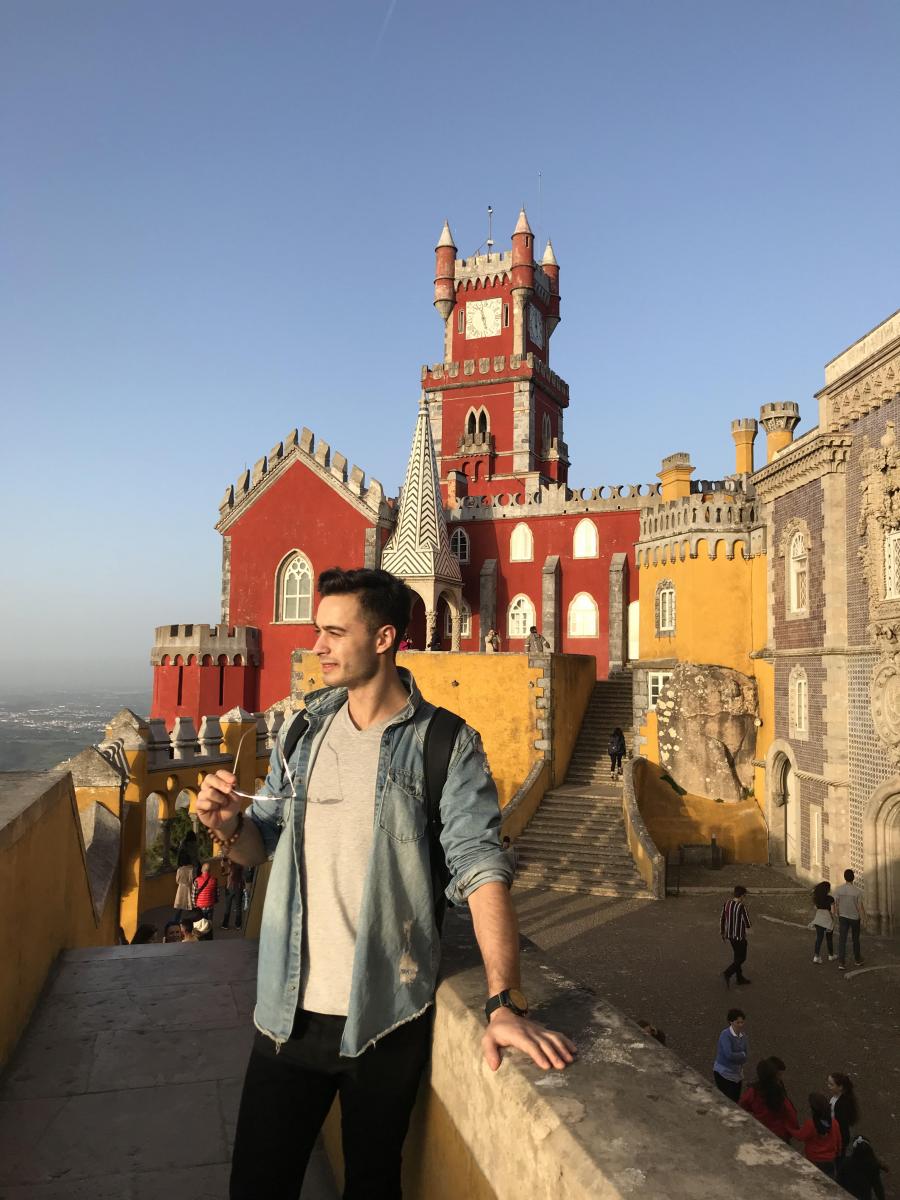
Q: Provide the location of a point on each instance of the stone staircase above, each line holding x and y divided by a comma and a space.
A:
576, 840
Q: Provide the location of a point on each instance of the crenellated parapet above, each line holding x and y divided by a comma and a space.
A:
187, 746
330, 465
723, 513
553, 500
497, 368
206, 645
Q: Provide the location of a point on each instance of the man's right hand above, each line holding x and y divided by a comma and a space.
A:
217, 806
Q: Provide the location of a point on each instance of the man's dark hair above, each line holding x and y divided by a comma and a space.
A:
187, 923
739, 891
734, 1013
383, 598
849, 876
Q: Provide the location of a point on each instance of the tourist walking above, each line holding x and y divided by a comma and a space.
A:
491, 642
184, 882
842, 1098
731, 1054
616, 748
851, 912
348, 950
536, 643
205, 892
859, 1171
820, 1135
189, 852
234, 892
823, 920
734, 926
766, 1099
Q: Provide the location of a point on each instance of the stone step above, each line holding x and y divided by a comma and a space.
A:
585, 831
573, 802
547, 853
586, 887
598, 872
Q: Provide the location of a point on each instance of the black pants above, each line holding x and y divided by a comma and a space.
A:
615, 762
827, 935
728, 1087
851, 927
287, 1096
739, 949
234, 900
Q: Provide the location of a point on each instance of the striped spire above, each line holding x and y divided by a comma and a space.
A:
419, 547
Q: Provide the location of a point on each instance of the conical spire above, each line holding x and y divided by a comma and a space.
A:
446, 238
419, 546
549, 259
522, 226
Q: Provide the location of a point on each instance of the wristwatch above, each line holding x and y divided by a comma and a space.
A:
510, 998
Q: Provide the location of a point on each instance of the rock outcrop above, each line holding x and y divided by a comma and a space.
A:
706, 718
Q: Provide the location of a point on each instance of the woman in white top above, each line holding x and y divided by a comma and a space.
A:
823, 920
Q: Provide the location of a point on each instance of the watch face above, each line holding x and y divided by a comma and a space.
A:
535, 326
484, 318
518, 1000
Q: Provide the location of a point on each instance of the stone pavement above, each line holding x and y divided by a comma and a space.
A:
126, 1083
662, 961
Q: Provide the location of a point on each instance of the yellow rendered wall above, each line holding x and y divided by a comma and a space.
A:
573, 676
674, 820
495, 693
43, 842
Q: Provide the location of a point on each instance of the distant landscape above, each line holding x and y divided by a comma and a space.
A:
40, 729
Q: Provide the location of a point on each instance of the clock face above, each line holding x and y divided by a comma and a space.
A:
483, 318
535, 326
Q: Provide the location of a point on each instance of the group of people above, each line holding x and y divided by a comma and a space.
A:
535, 643
826, 1135
197, 892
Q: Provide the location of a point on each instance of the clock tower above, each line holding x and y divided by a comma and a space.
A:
496, 406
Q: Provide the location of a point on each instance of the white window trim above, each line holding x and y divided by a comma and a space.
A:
660, 678
574, 612
795, 609
281, 577
529, 557
798, 703
462, 536
578, 552
666, 601
465, 622
528, 608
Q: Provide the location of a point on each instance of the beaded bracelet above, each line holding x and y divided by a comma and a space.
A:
227, 843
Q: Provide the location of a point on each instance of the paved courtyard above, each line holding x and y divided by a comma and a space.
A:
662, 961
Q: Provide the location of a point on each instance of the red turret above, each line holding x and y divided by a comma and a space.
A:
523, 255
444, 273
550, 267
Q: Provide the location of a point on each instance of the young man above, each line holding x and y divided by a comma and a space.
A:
851, 912
731, 1054
349, 948
536, 643
734, 927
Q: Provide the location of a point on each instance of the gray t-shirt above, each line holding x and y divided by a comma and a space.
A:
337, 842
847, 897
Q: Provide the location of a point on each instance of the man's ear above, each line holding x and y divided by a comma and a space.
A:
385, 639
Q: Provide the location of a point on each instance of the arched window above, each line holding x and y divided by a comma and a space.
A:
799, 704
521, 544
584, 617
798, 575
295, 589
470, 423
459, 545
482, 425
892, 565
665, 608
465, 622
519, 617
584, 543
546, 434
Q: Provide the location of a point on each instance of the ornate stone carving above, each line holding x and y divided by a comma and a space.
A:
879, 514
885, 696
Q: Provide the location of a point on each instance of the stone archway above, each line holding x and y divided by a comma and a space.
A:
783, 805
881, 856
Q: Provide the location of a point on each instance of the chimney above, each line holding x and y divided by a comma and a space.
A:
675, 474
743, 430
779, 420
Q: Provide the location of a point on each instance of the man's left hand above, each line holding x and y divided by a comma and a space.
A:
545, 1047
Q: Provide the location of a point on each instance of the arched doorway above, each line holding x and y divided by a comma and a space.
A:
881, 839
786, 799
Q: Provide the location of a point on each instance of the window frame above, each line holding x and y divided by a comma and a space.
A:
586, 523
665, 609
527, 608
660, 678
574, 612
798, 568
282, 576
517, 528
465, 622
892, 564
463, 536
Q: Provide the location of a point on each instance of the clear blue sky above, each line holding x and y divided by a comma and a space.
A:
218, 223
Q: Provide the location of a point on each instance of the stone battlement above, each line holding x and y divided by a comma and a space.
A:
437, 374
206, 641
186, 745
329, 464
555, 500
722, 511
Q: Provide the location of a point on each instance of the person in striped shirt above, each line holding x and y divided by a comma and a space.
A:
734, 927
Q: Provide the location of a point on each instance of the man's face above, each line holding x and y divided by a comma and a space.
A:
738, 1024
349, 650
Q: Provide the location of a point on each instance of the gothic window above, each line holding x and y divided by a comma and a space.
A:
470, 423
584, 617
294, 588
584, 543
546, 434
665, 608
892, 565
460, 317
465, 622
506, 316
519, 617
521, 544
482, 425
459, 545
798, 576
798, 688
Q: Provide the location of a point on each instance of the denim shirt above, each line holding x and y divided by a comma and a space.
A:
398, 949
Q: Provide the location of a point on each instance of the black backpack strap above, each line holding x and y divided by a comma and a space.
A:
440, 737
295, 732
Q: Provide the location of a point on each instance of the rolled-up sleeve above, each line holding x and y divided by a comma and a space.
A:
470, 813
267, 810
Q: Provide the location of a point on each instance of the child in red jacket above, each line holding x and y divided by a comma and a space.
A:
821, 1135
766, 1099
